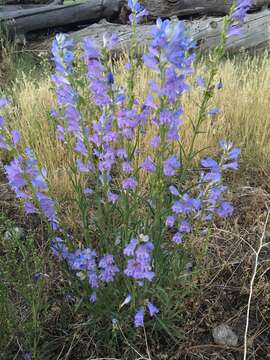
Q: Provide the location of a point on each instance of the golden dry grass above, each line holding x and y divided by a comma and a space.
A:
244, 117
244, 103
30, 114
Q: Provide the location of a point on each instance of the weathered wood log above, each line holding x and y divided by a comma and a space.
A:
12, 8
254, 35
24, 21
168, 8
55, 2
24, 2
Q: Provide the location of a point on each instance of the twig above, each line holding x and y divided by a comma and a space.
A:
147, 346
141, 357
105, 359
257, 254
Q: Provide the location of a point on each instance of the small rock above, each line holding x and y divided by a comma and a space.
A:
224, 335
20, 39
189, 267
16, 232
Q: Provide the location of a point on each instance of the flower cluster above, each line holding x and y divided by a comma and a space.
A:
170, 55
210, 200
140, 313
139, 267
62, 51
238, 16
86, 260
3, 141
138, 11
29, 183
87, 265
66, 95
100, 81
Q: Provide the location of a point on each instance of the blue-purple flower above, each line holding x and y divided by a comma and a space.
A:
148, 165
130, 183
126, 301
24, 173
93, 297
171, 165
130, 248
139, 267
153, 310
238, 16
108, 268
139, 318
170, 221
214, 173
3, 102
138, 11
62, 51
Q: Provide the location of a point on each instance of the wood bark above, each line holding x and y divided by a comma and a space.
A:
12, 8
182, 8
24, 21
255, 33
24, 2
55, 2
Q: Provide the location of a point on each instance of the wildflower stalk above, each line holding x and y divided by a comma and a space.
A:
159, 181
132, 62
215, 59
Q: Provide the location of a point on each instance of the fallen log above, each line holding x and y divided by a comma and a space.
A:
25, 2
254, 35
24, 21
11, 8
182, 8
55, 2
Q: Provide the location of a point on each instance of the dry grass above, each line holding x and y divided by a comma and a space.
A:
30, 113
244, 117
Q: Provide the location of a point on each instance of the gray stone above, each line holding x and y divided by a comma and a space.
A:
224, 335
189, 267
16, 232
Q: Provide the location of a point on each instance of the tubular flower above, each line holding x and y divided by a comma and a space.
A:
139, 267
139, 318
29, 184
108, 268
238, 16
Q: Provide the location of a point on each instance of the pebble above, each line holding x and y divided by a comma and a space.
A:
17, 232
224, 335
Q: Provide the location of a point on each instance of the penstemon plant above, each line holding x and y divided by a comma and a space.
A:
141, 207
